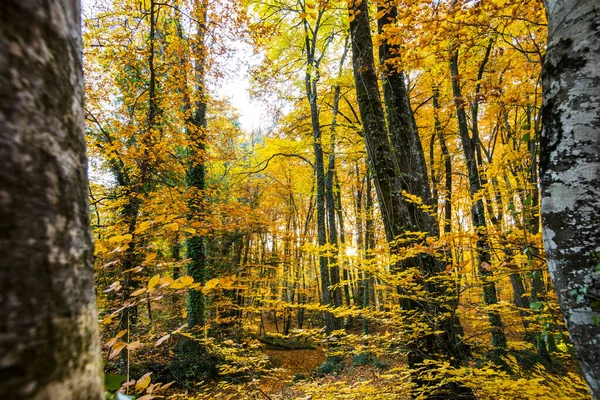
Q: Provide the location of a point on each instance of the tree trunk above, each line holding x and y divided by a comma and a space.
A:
196, 180
311, 78
447, 164
398, 216
477, 209
334, 239
570, 172
404, 138
49, 345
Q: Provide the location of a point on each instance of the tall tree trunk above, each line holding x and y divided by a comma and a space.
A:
131, 210
447, 163
477, 209
196, 180
398, 216
330, 198
570, 172
311, 78
404, 137
49, 341
369, 281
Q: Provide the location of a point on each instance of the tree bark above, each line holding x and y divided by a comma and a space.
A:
196, 180
404, 138
477, 209
447, 164
570, 172
398, 216
49, 344
311, 78
334, 238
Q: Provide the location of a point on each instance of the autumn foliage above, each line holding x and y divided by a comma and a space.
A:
471, 71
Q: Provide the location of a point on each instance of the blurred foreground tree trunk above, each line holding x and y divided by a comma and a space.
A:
49, 345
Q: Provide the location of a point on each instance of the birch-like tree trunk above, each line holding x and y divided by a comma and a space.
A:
570, 172
49, 345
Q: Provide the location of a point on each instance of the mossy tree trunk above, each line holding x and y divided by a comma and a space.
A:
196, 177
49, 344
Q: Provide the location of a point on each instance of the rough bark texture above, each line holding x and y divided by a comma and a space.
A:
49, 345
389, 184
570, 172
404, 138
380, 156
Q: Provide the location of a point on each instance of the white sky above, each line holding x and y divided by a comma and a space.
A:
236, 88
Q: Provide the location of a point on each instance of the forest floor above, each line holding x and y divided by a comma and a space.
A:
295, 362
297, 374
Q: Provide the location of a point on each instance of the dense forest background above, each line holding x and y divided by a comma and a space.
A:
378, 237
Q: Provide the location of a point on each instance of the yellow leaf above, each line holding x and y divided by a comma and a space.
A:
182, 282
226, 281
138, 292
143, 227
174, 226
116, 349
211, 284
99, 248
153, 281
143, 382
121, 238
165, 281
186, 280
149, 258
189, 230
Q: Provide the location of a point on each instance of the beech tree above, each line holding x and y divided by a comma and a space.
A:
400, 218
49, 346
570, 173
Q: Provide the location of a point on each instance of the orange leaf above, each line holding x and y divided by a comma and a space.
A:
134, 345
116, 350
143, 382
138, 292
164, 387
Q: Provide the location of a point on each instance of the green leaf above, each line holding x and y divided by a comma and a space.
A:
536, 305
526, 137
113, 382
